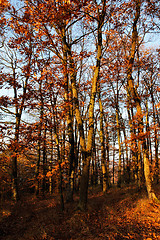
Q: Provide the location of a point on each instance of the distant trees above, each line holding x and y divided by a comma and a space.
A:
82, 88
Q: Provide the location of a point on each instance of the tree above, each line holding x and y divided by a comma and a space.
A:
133, 94
78, 68
18, 101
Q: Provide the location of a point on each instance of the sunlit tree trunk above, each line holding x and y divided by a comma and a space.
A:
156, 175
132, 92
87, 149
102, 140
150, 84
151, 194
86, 163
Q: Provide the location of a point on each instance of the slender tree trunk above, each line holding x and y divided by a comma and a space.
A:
95, 170
133, 143
102, 140
127, 168
139, 165
51, 161
107, 148
120, 149
113, 158
44, 159
15, 189
156, 174
59, 164
37, 184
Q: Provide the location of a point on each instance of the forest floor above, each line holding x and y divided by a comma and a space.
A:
119, 214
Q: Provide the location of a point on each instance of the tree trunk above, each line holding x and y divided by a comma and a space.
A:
69, 117
102, 140
51, 161
59, 164
37, 184
151, 194
44, 159
113, 172
156, 174
133, 94
120, 150
15, 189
